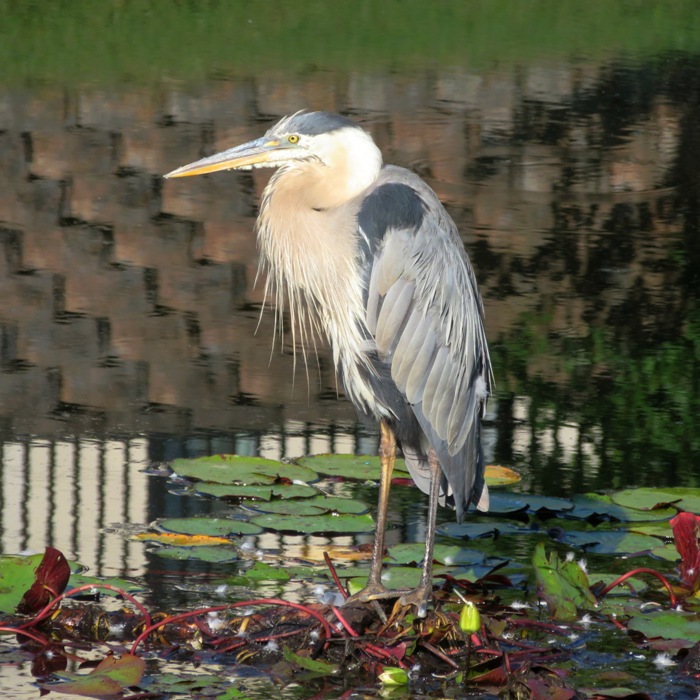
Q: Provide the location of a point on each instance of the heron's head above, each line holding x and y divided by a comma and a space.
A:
304, 139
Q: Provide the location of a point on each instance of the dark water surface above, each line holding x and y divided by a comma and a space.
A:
129, 313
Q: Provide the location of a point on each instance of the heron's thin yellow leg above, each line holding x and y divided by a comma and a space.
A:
375, 589
420, 596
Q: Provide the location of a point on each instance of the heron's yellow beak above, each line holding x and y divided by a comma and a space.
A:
254, 153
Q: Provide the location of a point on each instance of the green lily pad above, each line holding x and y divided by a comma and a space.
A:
284, 507
648, 499
631, 586
216, 555
610, 541
260, 571
232, 469
77, 580
591, 505
213, 527
446, 554
503, 502
262, 493
655, 529
362, 468
310, 506
669, 625
472, 530
320, 523
562, 583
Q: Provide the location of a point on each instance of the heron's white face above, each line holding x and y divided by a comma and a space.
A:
349, 154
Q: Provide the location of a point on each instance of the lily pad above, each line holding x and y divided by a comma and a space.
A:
232, 469
262, 493
345, 524
602, 507
214, 527
177, 539
449, 555
632, 585
669, 625
648, 499
310, 506
361, 468
500, 476
216, 555
473, 530
562, 583
505, 502
261, 571
610, 541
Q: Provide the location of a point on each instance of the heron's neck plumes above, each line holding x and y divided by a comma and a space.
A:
308, 236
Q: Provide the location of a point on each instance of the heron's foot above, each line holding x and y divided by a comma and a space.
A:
374, 591
419, 597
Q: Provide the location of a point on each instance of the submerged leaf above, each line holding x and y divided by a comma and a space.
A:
316, 666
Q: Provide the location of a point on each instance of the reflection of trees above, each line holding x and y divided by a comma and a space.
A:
626, 371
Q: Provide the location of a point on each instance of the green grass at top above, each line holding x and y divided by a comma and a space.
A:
112, 41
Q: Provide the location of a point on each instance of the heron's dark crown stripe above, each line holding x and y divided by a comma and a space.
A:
315, 123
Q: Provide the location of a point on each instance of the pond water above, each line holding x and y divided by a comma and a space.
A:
130, 322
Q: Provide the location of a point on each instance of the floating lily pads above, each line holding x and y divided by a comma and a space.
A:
474, 530
408, 553
602, 507
669, 625
177, 539
214, 527
285, 507
232, 469
346, 524
362, 468
310, 506
504, 502
215, 555
648, 499
260, 572
610, 541
262, 493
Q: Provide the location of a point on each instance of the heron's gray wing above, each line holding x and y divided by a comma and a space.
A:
424, 311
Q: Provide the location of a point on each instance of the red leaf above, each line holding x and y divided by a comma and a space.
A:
50, 579
686, 532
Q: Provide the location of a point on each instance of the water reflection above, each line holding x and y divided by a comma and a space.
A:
129, 315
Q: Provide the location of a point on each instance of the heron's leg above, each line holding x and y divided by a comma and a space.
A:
375, 589
420, 596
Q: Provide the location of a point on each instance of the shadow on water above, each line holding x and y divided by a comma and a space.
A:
129, 326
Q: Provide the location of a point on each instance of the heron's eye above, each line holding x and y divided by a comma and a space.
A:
293, 138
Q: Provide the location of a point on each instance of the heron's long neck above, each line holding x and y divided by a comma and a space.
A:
312, 258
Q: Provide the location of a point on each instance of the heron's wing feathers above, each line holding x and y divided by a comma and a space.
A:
425, 313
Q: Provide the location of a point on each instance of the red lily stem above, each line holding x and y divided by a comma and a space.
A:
331, 568
18, 630
370, 648
642, 570
241, 604
87, 587
344, 622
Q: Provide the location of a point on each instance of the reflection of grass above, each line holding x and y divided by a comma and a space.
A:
142, 40
644, 400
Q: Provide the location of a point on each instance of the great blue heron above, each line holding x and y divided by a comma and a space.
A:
367, 253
